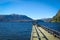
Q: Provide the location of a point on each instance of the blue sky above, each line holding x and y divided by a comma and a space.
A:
36, 9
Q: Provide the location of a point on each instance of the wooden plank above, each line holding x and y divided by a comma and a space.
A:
41, 35
48, 35
34, 34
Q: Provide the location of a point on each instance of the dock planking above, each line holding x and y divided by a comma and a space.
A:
34, 34
48, 35
39, 33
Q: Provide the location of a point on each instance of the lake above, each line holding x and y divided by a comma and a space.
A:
15, 30
22, 30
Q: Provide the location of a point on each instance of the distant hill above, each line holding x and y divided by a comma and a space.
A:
46, 19
4, 18
39, 20
56, 18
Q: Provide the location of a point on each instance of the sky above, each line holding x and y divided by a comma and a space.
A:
36, 9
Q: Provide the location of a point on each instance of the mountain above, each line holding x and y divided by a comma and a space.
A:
39, 20
46, 19
56, 18
14, 18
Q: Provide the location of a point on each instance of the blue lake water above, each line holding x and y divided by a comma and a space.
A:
15, 30
22, 30
52, 25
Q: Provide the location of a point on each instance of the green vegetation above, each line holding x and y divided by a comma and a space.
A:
56, 18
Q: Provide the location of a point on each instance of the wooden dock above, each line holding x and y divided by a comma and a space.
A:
38, 33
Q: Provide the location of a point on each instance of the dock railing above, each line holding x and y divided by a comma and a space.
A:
49, 30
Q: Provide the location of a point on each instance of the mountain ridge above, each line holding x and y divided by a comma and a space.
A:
56, 18
14, 18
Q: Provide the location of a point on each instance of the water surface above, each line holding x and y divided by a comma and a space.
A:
15, 30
